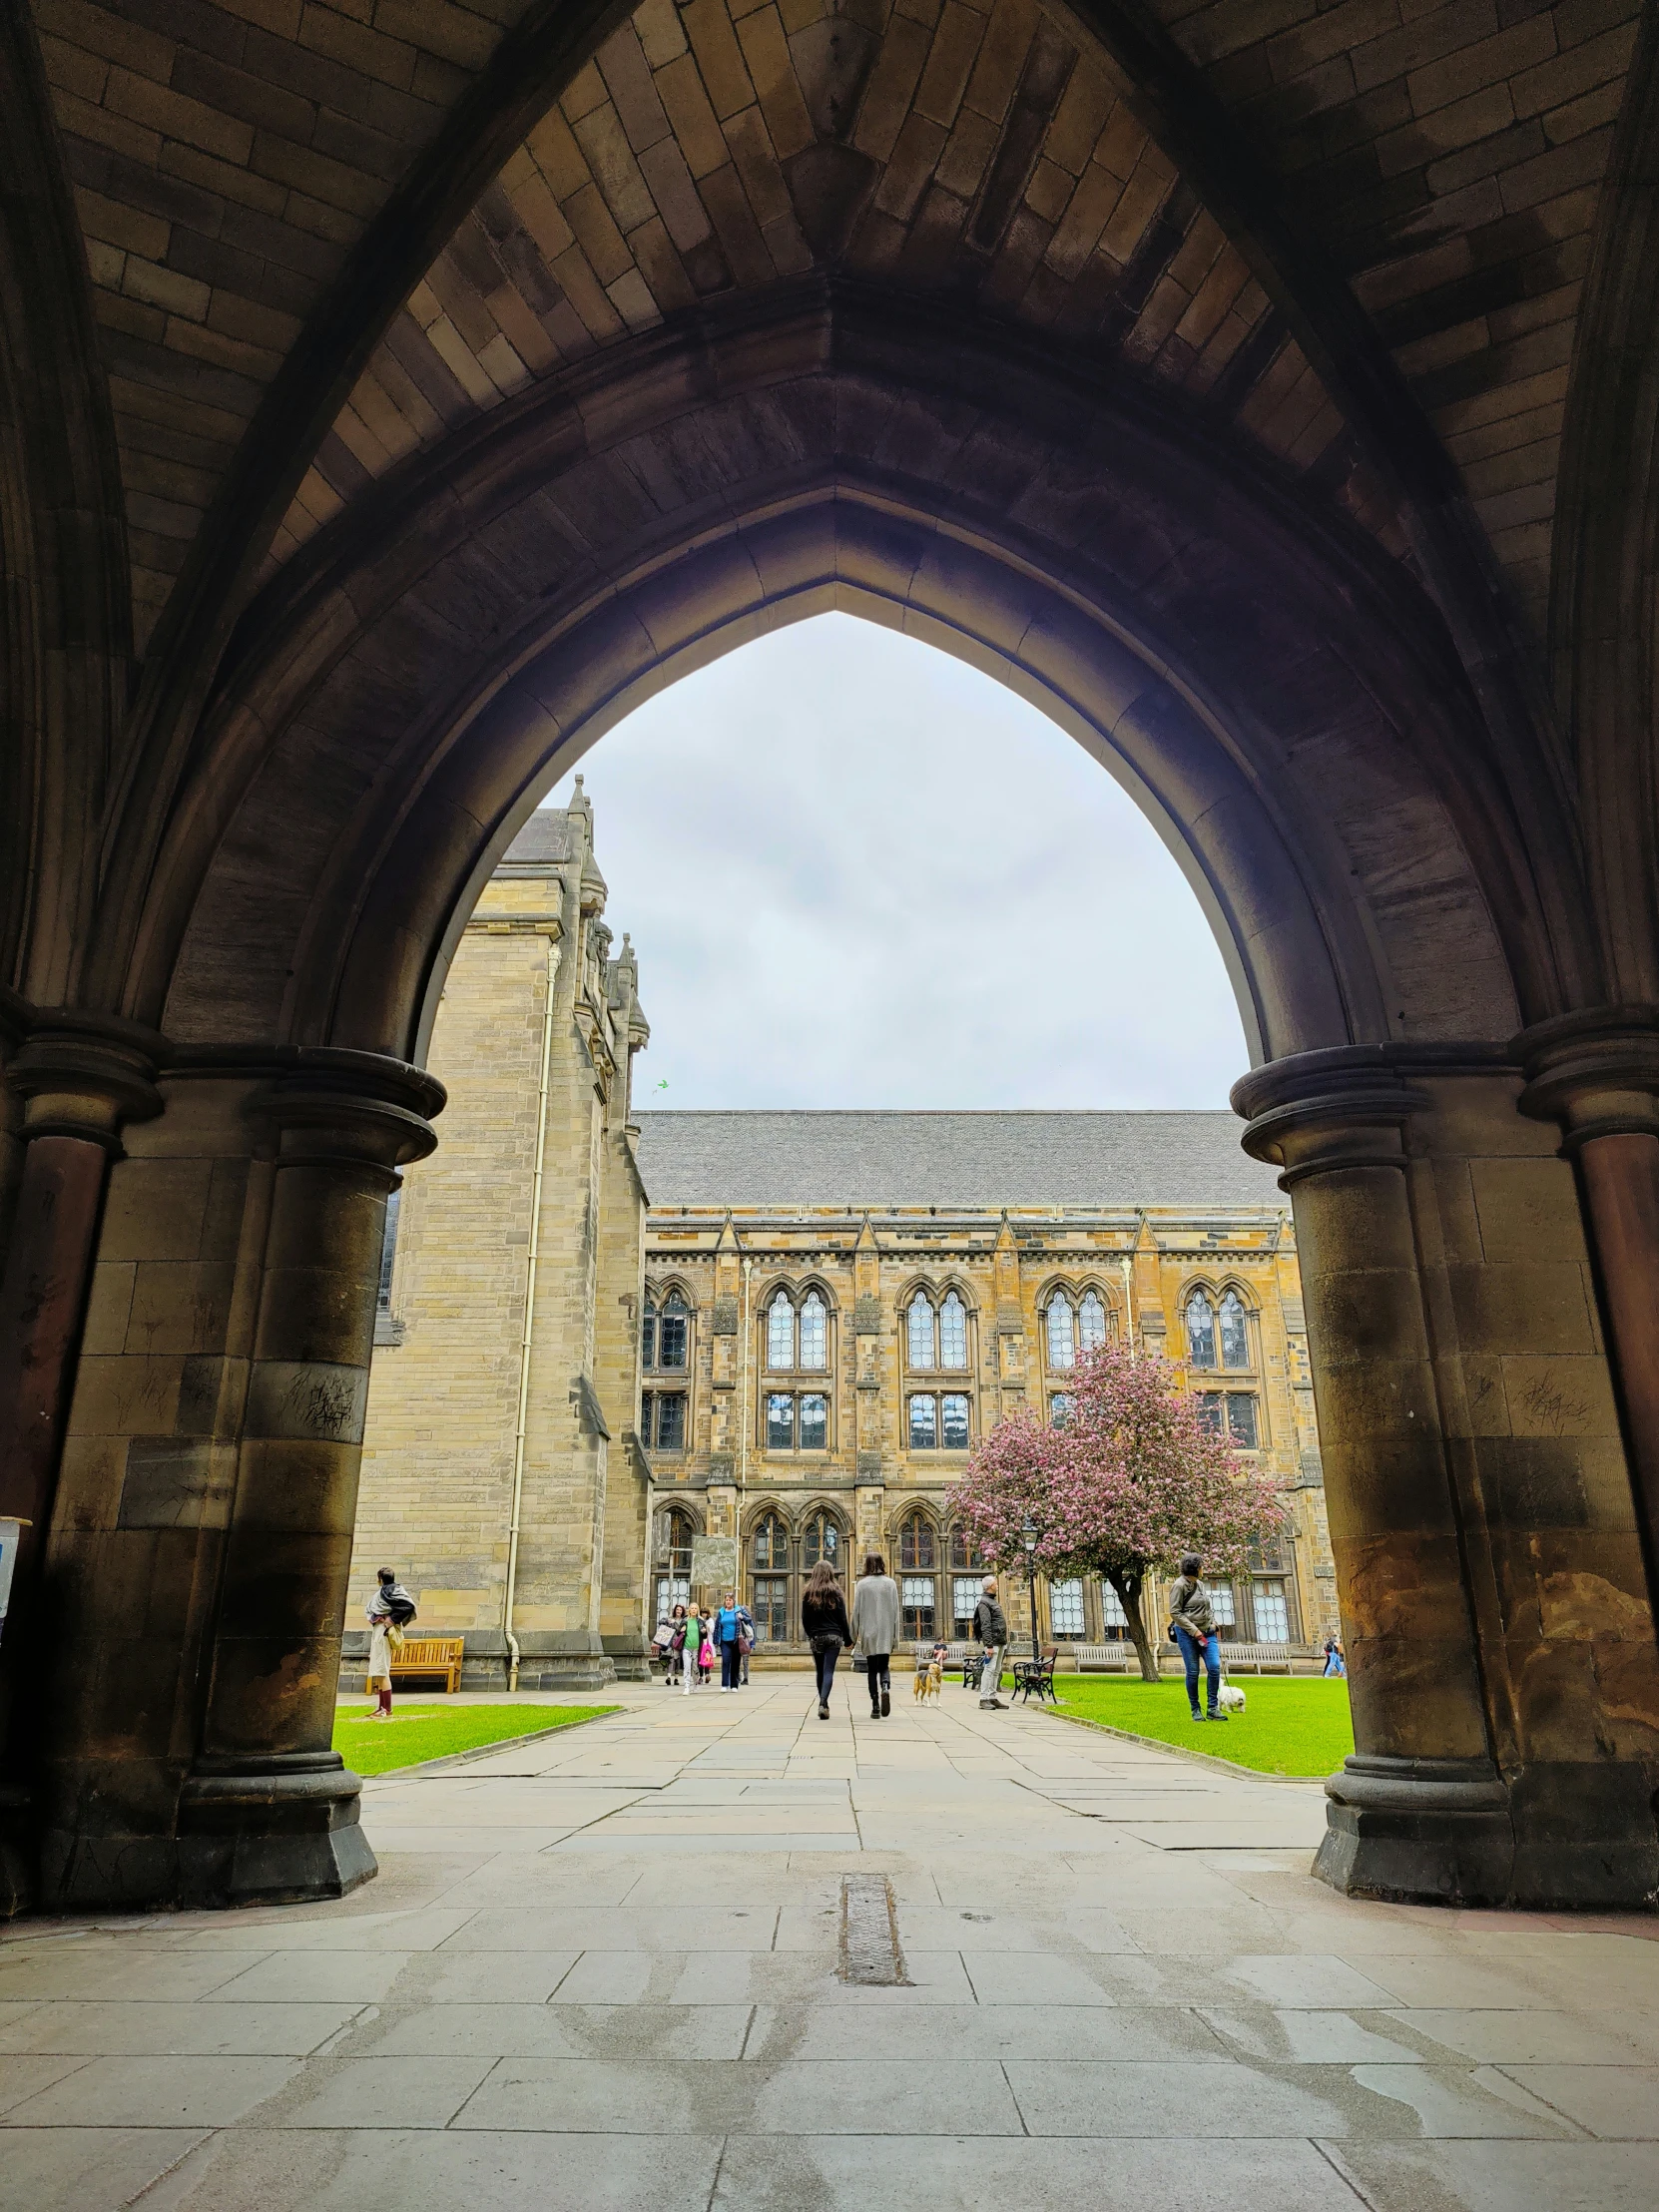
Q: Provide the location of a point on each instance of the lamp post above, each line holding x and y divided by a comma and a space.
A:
1028, 1537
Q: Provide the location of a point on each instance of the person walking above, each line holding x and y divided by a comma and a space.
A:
705, 1647
990, 1628
746, 1644
876, 1625
390, 1610
682, 1650
1334, 1661
728, 1636
1193, 1619
825, 1625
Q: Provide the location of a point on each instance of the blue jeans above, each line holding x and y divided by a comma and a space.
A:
731, 1660
1192, 1648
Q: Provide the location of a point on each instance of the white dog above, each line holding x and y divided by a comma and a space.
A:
1231, 1700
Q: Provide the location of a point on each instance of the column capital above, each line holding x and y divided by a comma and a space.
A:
82, 1074
1595, 1072
1318, 1112
328, 1103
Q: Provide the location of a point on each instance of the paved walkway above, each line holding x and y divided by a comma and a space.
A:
651, 1964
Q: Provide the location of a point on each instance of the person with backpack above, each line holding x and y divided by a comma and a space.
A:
727, 1640
825, 1625
390, 1612
1193, 1622
876, 1623
991, 1629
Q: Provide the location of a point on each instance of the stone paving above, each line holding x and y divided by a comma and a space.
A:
607, 1969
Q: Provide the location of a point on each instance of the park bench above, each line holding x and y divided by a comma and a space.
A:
1259, 1657
1035, 1677
1112, 1658
430, 1655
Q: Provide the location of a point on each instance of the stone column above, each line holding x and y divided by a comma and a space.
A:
80, 1080
1504, 1686
1596, 1075
199, 1544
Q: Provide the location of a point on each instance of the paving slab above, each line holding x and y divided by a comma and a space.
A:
604, 1969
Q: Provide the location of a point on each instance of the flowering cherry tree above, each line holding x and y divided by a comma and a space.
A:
1129, 1484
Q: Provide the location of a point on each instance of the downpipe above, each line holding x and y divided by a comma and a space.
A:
533, 1257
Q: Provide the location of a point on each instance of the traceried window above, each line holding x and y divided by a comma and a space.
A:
814, 1334
954, 1348
673, 1331
780, 1333
917, 1547
674, 1581
1065, 1608
1201, 1330
1235, 1332
663, 1420
821, 1539
1061, 1331
1091, 1321
965, 1550
770, 1545
920, 1332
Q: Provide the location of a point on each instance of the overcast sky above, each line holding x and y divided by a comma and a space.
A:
860, 874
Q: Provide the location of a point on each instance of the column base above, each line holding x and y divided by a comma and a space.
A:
17, 1872
1454, 1832
277, 1830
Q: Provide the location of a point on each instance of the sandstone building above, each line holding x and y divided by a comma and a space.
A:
800, 1341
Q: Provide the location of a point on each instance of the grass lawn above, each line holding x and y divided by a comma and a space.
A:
417, 1732
1297, 1724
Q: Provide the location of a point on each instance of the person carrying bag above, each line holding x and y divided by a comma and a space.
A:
875, 1622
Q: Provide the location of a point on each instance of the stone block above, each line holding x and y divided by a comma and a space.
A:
177, 1482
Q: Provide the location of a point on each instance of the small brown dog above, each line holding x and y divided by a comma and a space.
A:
929, 1678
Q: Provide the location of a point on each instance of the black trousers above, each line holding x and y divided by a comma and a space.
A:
826, 1651
877, 1664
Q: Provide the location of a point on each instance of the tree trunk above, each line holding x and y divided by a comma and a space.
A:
1129, 1587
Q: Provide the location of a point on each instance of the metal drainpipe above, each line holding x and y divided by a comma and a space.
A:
529, 1315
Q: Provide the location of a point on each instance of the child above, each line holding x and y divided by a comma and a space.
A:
390, 1610
705, 1648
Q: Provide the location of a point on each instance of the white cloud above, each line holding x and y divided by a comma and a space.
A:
861, 873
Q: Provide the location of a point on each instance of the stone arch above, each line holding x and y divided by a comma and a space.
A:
1297, 765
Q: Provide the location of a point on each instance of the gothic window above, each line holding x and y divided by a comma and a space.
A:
917, 1547
953, 1421
674, 1575
797, 1422
663, 1420
821, 1541
1235, 1335
964, 1601
1240, 1419
1273, 1614
768, 1606
648, 1335
1111, 1611
915, 1601
780, 1333
1220, 1603
1062, 1332
814, 1334
1065, 1608
1211, 1406
925, 1423
673, 1329
815, 1421
780, 1421
769, 1549
1201, 1330
1091, 1321
1059, 1408
965, 1550
952, 1332
920, 1326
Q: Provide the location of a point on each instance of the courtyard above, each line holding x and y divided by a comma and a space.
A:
650, 1961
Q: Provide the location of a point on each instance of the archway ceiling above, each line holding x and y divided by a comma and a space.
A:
230, 157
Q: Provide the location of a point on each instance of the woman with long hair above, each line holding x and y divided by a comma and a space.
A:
876, 1617
825, 1625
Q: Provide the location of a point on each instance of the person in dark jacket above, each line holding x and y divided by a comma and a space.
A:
825, 1625
990, 1628
1193, 1619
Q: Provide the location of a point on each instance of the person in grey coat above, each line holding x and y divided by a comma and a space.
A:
876, 1625
990, 1628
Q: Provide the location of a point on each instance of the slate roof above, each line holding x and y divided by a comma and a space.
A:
1191, 1160
544, 839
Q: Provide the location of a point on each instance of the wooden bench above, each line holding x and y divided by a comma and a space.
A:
430, 1655
1260, 1657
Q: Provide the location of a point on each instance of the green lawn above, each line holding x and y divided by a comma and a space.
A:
417, 1732
1296, 1724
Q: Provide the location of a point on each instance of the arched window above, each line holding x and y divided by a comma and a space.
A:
966, 1551
919, 1325
674, 1562
648, 1335
1062, 1332
770, 1551
1235, 1335
1201, 1330
673, 1329
1091, 1321
781, 1331
917, 1547
820, 1540
952, 1332
815, 1332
